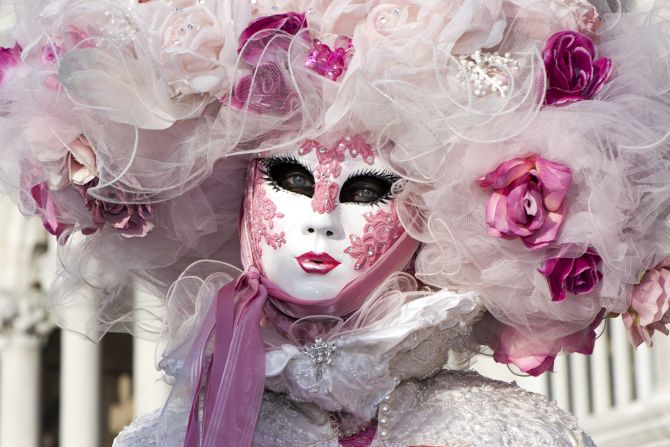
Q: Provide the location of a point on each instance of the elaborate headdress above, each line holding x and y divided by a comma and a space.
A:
531, 137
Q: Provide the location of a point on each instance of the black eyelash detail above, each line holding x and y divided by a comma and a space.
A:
268, 163
385, 175
389, 177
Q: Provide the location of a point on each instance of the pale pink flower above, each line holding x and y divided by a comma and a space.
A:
533, 354
414, 28
194, 43
648, 311
527, 200
81, 161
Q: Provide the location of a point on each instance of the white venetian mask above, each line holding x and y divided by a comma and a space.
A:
321, 216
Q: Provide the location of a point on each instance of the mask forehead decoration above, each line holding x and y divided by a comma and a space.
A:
321, 216
330, 166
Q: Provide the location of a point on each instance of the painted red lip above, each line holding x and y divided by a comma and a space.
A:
319, 263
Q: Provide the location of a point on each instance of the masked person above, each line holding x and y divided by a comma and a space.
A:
336, 205
327, 338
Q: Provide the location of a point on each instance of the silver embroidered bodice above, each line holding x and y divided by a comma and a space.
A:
391, 374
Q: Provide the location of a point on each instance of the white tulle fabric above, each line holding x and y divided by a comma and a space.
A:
452, 408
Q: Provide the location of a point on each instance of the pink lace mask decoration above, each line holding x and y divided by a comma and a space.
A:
263, 213
381, 231
330, 167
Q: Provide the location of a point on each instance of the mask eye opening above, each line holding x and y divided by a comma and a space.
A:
287, 173
370, 187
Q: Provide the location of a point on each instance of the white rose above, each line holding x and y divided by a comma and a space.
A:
195, 42
416, 26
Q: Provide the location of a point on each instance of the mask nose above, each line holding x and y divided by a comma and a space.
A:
323, 225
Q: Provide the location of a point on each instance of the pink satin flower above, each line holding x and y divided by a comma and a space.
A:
527, 200
575, 275
258, 38
649, 307
573, 72
533, 355
265, 90
131, 220
48, 210
9, 57
81, 161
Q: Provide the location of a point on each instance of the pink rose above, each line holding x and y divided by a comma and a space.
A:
48, 210
532, 354
648, 311
131, 220
262, 32
81, 161
265, 90
9, 57
573, 72
527, 200
575, 275
74, 164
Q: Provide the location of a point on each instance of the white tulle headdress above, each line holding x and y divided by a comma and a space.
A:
531, 136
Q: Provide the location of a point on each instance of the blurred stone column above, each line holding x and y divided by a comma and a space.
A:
80, 397
19, 388
23, 326
149, 390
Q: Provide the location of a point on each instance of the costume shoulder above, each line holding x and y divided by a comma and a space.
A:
141, 432
465, 409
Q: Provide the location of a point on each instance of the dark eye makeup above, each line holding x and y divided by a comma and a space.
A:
286, 172
368, 187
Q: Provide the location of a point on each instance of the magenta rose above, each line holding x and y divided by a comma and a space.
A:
527, 200
533, 355
573, 72
574, 275
264, 91
131, 220
260, 33
48, 210
649, 309
9, 57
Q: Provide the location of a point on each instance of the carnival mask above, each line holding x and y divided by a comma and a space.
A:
321, 216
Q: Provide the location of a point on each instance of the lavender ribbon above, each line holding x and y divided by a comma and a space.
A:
236, 372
